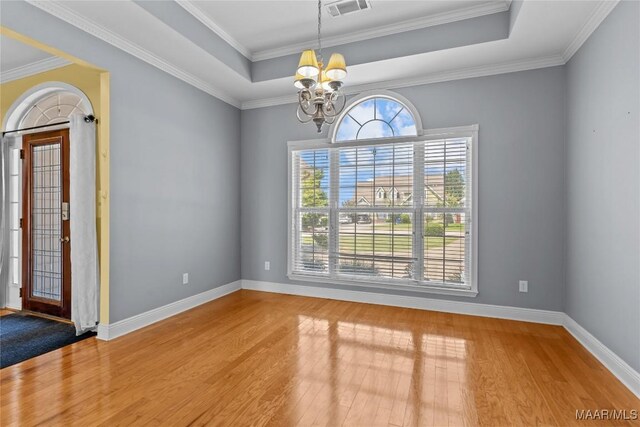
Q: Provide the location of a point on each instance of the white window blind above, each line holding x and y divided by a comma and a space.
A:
311, 213
446, 208
375, 235
392, 214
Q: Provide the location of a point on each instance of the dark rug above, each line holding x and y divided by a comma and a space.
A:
23, 337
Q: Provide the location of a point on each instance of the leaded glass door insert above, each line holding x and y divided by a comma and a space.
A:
46, 240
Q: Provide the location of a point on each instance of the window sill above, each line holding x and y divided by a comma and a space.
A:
426, 289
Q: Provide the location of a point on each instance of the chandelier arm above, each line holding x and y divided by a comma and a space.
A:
307, 115
325, 111
304, 110
344, 103
337, 110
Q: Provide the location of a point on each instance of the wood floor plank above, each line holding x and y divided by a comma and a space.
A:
254, 358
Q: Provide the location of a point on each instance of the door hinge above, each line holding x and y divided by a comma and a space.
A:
20, 293
22, 154
20, 222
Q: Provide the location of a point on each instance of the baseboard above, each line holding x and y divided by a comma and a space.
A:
125, 326
103, 332
14, 307
458, 307
618, 367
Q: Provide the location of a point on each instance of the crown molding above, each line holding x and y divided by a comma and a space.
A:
64, 13
597, 16
37, 67
593, 22
197, 13
465, 73
442, 18
386, 30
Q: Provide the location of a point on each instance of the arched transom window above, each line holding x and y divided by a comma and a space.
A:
378, 117
53, 108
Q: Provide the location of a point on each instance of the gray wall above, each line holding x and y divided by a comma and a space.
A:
521, 181
174, 173
603, 180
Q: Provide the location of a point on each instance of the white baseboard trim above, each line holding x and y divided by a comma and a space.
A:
17, 307
103, 332
618, 367
125, 326
458, 307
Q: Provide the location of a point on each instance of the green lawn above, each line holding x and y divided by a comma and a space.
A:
383, 243
455, 227
408, 227
398, 227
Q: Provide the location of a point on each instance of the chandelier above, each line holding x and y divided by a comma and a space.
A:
319, 95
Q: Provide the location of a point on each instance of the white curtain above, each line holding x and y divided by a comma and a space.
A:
4, 220
84, 240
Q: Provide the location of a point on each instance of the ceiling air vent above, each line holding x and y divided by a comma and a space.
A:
345, 7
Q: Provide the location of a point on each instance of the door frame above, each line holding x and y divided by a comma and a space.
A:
41, 305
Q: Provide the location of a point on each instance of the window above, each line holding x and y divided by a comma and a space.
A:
311, 213
355, 220
378, 117
53, 108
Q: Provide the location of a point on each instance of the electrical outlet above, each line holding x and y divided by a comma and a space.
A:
185, 278
523, 286
267, 265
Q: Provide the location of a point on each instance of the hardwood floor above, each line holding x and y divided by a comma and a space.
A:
254, 358
5, 311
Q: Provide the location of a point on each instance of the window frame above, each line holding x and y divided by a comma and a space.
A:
417, 207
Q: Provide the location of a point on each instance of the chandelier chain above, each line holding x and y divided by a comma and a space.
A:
319, 30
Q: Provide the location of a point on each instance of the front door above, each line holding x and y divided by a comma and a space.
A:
45, 224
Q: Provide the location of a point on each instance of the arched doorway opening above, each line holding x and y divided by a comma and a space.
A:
46, 104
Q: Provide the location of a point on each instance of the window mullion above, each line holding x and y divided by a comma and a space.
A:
418, 202
294, 187
334, 196
470, 225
